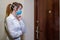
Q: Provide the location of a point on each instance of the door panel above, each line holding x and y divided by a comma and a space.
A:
50, 20
53, 20
56, 18
47, 14
42, 19
40, 15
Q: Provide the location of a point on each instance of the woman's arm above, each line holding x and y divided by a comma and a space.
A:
23, 26
12, 29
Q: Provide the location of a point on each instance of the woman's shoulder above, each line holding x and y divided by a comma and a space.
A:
8, 18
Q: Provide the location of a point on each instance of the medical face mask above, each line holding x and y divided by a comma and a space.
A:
19, 12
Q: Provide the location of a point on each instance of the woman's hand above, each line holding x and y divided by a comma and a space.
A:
19, 18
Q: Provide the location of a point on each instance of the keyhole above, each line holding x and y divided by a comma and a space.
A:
50, 11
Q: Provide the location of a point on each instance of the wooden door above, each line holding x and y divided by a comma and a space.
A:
46, 20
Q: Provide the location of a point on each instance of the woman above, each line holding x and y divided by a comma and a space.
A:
14, 25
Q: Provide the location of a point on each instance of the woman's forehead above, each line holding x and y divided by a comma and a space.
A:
19, 8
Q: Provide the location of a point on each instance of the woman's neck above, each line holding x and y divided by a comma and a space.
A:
14, 13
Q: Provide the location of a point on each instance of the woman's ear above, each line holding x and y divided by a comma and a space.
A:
15, 8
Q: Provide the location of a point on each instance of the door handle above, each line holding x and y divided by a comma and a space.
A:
37, 28
37, 32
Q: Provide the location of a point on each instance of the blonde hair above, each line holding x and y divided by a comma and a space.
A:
10, 7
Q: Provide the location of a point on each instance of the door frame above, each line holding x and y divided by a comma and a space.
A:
35, 16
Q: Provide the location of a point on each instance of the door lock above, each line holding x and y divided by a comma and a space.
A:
49, 11
37, 21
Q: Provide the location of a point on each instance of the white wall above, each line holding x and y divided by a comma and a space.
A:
29, 19
28, 16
